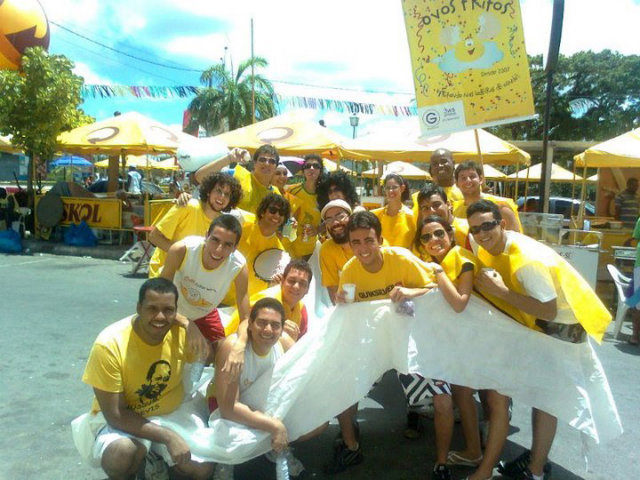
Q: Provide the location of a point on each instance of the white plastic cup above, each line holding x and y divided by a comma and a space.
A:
349, 292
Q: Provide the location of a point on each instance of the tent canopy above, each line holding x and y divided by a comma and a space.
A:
619, 152
131, 133
141, 162
408, 146
558, 174
407, 170
292, 133
492, 173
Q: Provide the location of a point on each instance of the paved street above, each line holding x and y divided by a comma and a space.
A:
54, 306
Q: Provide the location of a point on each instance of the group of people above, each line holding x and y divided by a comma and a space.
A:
449, 235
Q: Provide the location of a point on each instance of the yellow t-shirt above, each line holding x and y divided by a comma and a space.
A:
332, 259
399, 268
453, 194
294, 314
252, 190
304, 207
150, 376
457, 261
252, 244
399, 230
176, 224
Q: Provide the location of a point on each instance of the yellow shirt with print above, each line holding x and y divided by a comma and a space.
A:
453, 195
149, 376
332, 259
252, 190
176, 224
304, 207
399, 268
400, 229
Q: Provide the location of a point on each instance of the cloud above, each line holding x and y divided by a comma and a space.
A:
90, 77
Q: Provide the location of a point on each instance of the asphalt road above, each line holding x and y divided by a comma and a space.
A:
54, 306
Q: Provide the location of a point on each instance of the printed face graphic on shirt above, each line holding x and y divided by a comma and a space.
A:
158, 378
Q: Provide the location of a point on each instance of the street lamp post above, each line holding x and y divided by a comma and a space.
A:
354, 120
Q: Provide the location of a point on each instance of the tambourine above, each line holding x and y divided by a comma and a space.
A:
269, 263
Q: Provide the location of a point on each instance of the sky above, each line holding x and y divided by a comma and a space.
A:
351, 49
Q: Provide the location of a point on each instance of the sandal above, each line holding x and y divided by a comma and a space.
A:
455, 458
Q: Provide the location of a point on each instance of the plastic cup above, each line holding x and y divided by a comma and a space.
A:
349, 292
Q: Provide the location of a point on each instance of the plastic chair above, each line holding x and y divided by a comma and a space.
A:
19, 225
140, 253
622, 283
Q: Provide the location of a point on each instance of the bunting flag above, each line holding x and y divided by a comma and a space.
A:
292, 101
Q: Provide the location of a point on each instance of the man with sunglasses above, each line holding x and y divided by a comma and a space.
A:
335, 251
538, 288
256, 184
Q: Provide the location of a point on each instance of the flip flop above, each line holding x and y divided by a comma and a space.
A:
454, 458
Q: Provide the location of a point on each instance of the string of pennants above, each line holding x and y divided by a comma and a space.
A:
109, 91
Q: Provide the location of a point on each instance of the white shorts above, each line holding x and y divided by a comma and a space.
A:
107, 435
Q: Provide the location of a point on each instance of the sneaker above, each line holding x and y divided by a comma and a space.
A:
343, 458
295, 465
518, 469
414, 427
223, 472
441, 472
155, 468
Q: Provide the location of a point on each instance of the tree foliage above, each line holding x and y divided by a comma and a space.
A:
596, 96
39, 102
225, 102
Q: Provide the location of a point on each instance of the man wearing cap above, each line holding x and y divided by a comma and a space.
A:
335, 252
441, 171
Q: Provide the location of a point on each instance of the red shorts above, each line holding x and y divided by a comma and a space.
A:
213, 404
211, 326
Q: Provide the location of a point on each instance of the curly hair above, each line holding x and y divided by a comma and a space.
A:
343, 183
221, 179
277, 201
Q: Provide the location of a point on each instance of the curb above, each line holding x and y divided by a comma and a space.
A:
107, 252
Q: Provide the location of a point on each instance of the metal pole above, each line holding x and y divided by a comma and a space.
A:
253, 81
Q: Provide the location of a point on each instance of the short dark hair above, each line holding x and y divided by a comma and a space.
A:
469, 165
406, 195
228, 222
222, 179
268, 149
484, 206
298, 264
366, 220
431, 219
159, 285
274, 200
430, 189
338, 179
270, 303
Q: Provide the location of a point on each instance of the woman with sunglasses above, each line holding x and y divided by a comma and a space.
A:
398, 224
454, 268
304, 205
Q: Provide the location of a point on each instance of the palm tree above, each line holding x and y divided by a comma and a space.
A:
225, 103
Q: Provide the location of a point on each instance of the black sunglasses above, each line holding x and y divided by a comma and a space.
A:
484, 227
274, 210
272, 161
440, 233
314, 166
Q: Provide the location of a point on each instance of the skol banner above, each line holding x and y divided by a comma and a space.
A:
469, 62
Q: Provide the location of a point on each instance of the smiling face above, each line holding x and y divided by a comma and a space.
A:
393, 190
336, 220
265, 330
469, 182
311, 170
219, 197
435, 205
280, 177
219, 245
294, 286
265, 166
156, 316
435, 240
441, 167
488, 233
271, 220
366, 247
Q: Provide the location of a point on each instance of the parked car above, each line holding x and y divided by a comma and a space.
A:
561, 205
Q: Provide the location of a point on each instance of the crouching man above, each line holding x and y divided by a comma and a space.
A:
135, 368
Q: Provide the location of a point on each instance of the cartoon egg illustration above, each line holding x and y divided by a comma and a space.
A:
23, 24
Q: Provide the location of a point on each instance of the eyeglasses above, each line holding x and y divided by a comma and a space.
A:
313, 166
391, 188
426, 238
275, 210
484, 227
338, 218
270, 160
222, 193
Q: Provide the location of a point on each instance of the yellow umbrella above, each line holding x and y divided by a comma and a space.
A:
621, 151
492, 173
141, 162
409, 146
558, 174
593, 178
131, 133
332, 166
292, 133
407, 170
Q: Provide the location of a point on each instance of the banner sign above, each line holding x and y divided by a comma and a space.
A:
98, 213
469, 63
